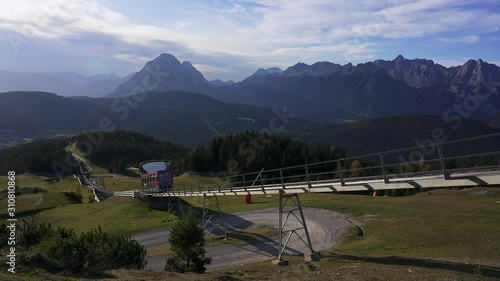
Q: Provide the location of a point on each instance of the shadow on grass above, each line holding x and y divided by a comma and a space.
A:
486, 271
25, 214
130, 174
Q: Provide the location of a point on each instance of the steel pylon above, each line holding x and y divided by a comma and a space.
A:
283, 200
174, 207
211, 216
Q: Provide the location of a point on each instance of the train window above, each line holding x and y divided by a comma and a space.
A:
165, 178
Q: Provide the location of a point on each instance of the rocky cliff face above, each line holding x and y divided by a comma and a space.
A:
418, 73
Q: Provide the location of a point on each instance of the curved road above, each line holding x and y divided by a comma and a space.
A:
326, 229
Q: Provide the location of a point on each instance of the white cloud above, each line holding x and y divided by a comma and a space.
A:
132, 58
204, 68
265, 32
458, 61
470, 39
451, 62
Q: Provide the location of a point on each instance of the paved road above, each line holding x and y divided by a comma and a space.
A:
325, 228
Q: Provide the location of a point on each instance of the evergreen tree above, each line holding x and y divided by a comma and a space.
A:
187, 241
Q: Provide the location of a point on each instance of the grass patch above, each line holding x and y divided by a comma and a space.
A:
122, 183
28, 204
454, 225
247, 119
114, 215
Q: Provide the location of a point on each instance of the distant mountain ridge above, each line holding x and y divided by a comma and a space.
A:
373, 89
182, 117
188, 119
63, 83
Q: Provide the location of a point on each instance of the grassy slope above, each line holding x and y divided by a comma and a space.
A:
459, 226
454, 225
124, 215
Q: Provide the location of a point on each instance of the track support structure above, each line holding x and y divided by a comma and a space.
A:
284, 215
211, 217
174, 207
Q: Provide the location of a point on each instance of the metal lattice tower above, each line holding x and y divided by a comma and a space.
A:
290, 212
211, 216
174, 207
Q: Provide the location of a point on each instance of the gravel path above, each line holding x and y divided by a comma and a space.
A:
326, 228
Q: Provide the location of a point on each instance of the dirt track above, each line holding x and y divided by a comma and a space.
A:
325, 228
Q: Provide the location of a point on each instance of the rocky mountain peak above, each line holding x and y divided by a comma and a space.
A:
166, 57
417, 73
168, 74
192, 70
268, 71
317, 69
399, 58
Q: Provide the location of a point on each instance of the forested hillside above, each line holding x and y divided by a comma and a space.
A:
120, 149
44, 156
250, 152
382, 134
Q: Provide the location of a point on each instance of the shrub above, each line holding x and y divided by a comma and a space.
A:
93, 252
311, 267
32, 233
90, 253
110, 251
75, 198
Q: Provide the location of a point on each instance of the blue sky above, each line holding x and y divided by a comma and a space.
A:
231, 39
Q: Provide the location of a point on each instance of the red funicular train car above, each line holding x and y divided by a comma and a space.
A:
157, 175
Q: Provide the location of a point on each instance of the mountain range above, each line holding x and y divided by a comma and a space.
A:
173, 101
329, 90
374, 89
324, 89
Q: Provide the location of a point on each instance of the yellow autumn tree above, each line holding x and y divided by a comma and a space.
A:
355, 170
422, 166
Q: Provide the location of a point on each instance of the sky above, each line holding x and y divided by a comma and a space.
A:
232, 39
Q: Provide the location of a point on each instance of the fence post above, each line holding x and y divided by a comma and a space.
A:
339, 168
443, 163
262, 182
307, 177
282, 181
384, 174
244, 183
